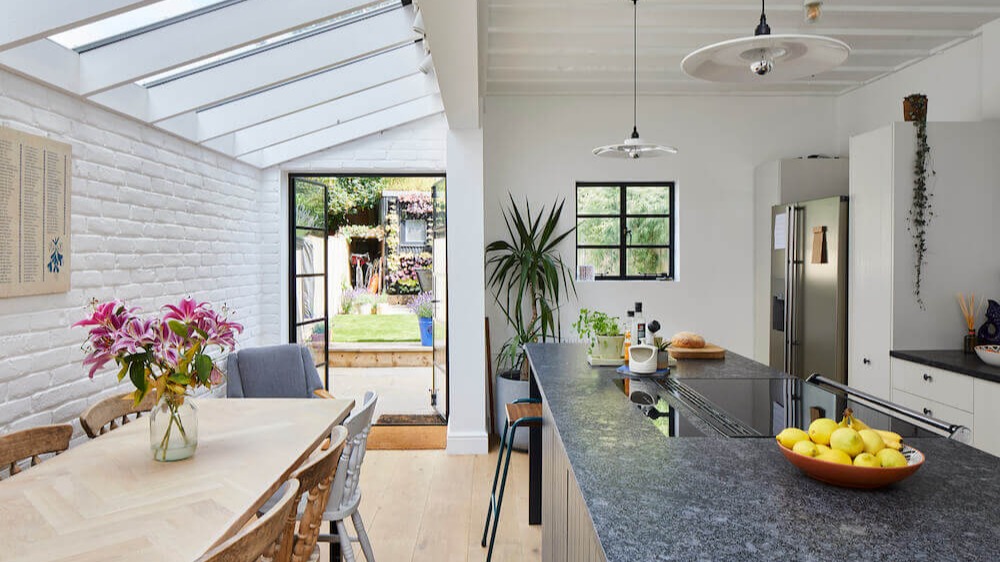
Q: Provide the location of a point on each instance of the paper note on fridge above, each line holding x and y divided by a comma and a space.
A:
781, 231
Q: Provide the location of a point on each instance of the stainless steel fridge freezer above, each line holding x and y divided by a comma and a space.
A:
809, 288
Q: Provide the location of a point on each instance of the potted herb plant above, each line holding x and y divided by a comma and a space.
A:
423, 306
528, 278
602, 332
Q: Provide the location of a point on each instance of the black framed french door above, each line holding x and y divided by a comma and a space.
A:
308, 311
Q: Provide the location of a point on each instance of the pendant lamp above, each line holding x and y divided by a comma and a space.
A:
765, 57
634, 147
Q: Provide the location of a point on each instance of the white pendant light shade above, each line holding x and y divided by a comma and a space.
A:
765, 57
790, 57
634, 147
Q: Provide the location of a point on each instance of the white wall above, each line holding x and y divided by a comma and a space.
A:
962, 84
154, 219
538, 147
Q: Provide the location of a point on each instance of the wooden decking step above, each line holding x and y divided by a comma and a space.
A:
379, 354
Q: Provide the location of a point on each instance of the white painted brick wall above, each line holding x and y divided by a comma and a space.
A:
154, 218
415, 147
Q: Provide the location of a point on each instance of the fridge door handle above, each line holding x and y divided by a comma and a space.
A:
790, 253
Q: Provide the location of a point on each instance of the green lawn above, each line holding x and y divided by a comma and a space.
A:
349, 328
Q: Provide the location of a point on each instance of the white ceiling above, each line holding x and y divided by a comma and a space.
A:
585, 46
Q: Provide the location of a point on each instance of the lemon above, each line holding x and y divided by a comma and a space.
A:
835, 455
873, 441
891, 458
806, 448
847, 440
820, 430
867, 459
790, 436
822, 448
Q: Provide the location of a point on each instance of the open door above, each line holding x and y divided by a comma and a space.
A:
439, 382
308, 311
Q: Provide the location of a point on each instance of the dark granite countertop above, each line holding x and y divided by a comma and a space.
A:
952, 360
657, 498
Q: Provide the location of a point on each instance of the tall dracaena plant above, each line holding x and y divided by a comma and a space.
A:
920, 208
528, 277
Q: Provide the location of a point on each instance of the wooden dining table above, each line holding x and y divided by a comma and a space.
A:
108, 500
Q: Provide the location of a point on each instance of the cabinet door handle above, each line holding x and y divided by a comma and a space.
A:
928, 378
928, 412
866, 361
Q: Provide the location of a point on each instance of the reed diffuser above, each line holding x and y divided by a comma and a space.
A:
969, 310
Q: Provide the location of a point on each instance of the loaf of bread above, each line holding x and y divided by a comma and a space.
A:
687, 340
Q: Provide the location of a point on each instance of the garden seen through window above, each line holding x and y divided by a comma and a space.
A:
626, 230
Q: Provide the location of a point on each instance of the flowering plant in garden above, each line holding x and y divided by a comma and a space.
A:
168, 354
422, 305
417, 204
402, 278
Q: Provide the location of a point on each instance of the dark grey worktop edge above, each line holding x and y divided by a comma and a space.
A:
951, 360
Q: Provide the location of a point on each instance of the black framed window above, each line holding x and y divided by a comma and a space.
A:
626, 230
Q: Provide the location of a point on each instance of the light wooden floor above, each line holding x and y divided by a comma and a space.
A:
430, 506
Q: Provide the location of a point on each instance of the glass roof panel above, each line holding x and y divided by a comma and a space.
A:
130, 21
248, 50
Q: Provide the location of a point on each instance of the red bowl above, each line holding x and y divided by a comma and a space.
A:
850, 476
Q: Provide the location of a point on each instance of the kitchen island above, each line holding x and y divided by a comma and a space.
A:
633, 494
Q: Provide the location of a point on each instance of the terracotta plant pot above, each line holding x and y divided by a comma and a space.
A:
908, 111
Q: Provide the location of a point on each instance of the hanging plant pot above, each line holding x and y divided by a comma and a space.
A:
915, 107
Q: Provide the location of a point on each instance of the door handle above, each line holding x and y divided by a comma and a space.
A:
928, 412
866, 361
928, 378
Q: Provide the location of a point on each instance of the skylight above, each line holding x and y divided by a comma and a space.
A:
277, 40
134, 21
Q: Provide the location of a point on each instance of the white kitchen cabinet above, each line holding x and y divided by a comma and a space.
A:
883, 312
986, 416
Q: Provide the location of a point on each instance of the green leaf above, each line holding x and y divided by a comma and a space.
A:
137, 373
178, 327
203, 364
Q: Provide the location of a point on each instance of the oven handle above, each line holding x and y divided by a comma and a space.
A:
951, 429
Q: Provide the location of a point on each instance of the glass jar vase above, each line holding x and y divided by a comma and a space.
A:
173, 428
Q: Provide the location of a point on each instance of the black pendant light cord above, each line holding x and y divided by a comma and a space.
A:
762, 28
635, 68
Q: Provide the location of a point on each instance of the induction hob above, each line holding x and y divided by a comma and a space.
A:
762, 407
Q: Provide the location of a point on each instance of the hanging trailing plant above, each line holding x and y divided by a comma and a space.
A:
915, 109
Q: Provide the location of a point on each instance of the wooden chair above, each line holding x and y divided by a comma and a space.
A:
263, 537
32, 443
113, 412
316, 477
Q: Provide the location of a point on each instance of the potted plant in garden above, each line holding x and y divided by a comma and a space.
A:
528, 278
602, 332
168, 355
423, 306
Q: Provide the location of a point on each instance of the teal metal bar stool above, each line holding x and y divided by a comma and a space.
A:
523, 412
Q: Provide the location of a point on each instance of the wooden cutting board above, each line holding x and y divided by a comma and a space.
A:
710, 351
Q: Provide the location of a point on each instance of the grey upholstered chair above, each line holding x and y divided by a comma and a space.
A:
277, 371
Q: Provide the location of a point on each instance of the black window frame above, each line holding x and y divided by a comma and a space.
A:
623, 215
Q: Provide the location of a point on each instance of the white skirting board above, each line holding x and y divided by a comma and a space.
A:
467, 443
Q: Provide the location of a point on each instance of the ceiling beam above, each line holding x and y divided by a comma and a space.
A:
45, 61
347, 132
453, 32
268, 68
296, 96
217, 32
25, 21
323, 116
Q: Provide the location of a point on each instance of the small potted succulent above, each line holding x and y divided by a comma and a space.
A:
602, 332
423, 306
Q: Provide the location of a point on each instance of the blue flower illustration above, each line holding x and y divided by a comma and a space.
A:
55, 256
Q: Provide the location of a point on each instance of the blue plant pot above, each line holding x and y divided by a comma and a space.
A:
426, 331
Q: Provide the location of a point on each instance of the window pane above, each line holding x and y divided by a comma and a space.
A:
309, 204
648, 261
308, 252
309, 298
648, 232
313, 336
648, 200
128, 21
598, 201
606, 262
597, 232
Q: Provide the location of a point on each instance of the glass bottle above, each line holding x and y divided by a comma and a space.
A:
639, 333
